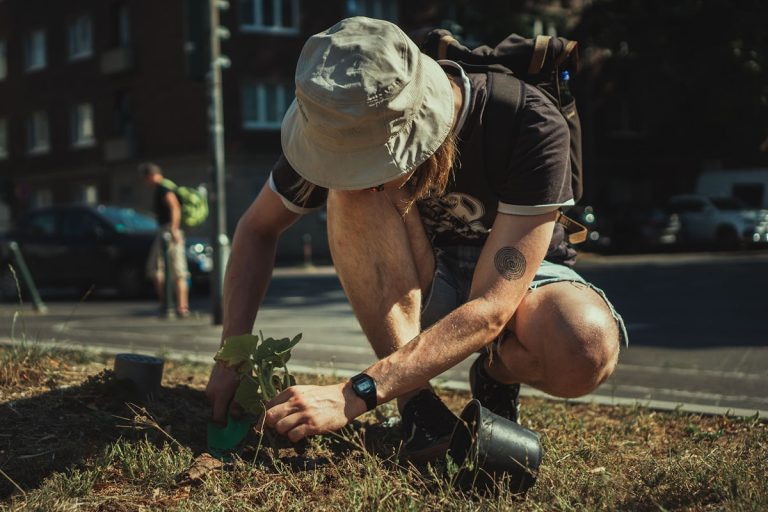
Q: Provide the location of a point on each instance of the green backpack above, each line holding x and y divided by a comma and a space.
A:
194, 203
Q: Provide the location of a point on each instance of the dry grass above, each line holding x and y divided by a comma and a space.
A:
64, 444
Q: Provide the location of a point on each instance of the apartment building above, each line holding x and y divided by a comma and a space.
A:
91, 88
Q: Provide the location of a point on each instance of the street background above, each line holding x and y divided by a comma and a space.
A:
696, 324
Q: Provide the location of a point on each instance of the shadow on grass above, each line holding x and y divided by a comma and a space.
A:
65, 427
46, 433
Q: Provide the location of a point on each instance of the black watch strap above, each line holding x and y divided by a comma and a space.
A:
365, 387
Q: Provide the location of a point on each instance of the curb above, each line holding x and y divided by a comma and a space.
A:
656, 405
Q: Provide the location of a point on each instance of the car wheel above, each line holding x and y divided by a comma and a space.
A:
131, 282
727, 238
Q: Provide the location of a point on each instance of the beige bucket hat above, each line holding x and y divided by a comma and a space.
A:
369, 107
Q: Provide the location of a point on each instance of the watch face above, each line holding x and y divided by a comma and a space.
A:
364, 386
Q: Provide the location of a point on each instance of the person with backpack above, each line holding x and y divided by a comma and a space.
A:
168, 211
443, 247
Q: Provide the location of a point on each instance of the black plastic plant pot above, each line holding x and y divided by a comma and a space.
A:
490, 449
145, 373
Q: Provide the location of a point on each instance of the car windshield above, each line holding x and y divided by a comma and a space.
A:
126, 220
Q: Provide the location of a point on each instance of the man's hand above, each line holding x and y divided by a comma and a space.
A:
221, 387
302, 411
176, 236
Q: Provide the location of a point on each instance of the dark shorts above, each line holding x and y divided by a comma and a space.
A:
455, 266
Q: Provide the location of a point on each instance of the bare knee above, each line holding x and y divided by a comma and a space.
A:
590, 355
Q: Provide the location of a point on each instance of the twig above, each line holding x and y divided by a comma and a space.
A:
143, 417
32, 456
14, 483
76, 306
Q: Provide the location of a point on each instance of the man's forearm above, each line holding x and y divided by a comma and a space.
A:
248, 274
442, 346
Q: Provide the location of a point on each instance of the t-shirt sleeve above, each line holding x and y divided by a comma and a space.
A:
538, 178
287, 183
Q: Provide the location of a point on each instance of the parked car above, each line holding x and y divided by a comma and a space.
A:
715, 222
80, 246
644, 229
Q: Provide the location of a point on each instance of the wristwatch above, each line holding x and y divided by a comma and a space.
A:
365, 387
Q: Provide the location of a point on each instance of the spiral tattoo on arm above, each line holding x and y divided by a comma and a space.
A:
510, 263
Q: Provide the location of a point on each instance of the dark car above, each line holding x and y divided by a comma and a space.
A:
82, 246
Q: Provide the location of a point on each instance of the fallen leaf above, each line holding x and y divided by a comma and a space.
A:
201, 467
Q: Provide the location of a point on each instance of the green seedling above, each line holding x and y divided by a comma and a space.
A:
262, 365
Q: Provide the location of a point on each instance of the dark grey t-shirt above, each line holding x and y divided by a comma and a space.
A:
537, 179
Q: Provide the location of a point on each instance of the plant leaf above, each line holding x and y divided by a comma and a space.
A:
237, 349
248, 396
271, 348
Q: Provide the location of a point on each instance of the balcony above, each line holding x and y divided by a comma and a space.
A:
117, 60
118, 148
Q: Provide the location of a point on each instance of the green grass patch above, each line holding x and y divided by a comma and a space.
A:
78, 446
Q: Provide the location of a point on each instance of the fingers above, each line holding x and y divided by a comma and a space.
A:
236, 410
219, 410
221, 387
281, 397
288, 423
300, 432
296, 427
277, 413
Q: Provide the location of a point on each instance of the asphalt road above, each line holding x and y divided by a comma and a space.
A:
697, 328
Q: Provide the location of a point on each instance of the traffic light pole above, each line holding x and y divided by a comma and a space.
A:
218, 195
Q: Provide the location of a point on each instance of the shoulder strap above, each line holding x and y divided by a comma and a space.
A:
505, 100
168, 184
540, 46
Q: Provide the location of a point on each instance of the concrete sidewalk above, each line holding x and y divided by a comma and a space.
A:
708, 379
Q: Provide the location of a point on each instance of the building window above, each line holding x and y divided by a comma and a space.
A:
44, 224
89, 194
34, 50
37, 133
264, 105
80, 38
3, 139
276, 16
81, 119
120, 25
3, 65
122, 120
379, 9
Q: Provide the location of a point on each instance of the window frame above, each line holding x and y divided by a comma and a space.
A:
29, 40
73, 32
32, 128
258, 26
3, 59
76, 138
283, 95
4, 138
360, 9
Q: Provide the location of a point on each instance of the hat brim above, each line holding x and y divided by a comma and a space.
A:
369, 167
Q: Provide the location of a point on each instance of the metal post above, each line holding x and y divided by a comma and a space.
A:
218, 196
26, 277
168, 300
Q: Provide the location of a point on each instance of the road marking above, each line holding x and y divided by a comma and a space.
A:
692, 372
